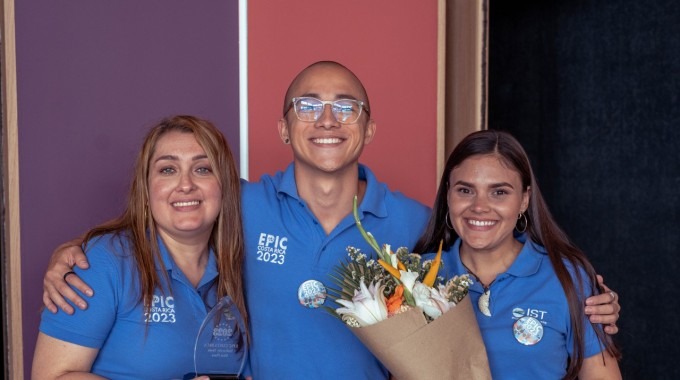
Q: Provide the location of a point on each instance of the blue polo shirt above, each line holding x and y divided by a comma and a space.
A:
286, 247
529, 290
115, 321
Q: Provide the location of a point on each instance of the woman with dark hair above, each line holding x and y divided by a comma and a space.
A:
159, 267
531, 281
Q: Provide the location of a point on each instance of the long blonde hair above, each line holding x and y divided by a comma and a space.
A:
137, 224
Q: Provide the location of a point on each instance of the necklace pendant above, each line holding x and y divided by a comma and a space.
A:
483, 303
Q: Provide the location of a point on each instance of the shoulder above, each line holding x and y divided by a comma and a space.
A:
267, 183
398, 201
113, 249
580, 277
394, 201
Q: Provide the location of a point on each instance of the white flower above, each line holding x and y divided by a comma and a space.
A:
431, 300
408, 279
367, 306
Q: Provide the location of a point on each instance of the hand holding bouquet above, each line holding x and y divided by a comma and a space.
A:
416, 323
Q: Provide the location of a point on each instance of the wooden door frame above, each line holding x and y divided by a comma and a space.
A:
11, 238
461, 73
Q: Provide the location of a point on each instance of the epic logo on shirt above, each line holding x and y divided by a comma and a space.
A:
272, 248
162, 310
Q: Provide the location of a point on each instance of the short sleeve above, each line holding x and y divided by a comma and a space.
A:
91, 327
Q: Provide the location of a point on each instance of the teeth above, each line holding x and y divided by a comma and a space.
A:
481, 223
334, 140
185, 204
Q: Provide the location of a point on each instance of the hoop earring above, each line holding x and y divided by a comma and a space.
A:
448, 223
524, 224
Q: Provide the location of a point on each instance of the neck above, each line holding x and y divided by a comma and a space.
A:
485, 266
189, 255
329, 196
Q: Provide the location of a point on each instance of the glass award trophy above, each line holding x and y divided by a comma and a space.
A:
221, 347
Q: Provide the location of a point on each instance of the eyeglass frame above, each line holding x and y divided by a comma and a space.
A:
362, 106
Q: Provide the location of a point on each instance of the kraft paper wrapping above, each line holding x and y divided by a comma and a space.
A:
450, 347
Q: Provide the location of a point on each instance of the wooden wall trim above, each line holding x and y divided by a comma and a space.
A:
466, 69
441, 89
13, 330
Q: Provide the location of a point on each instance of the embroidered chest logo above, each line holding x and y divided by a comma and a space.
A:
519, 312
272, 248
162, 310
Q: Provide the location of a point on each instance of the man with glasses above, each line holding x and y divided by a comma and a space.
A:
297, 226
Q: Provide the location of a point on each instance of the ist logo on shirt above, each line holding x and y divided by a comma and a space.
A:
272, 248
520, 312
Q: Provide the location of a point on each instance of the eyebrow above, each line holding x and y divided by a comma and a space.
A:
337, 97
171, 157
493, 185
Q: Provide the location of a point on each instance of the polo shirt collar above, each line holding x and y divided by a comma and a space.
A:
527, 263
287, 184
176, 274
374, 196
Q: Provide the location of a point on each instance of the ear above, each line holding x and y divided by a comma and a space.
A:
370, 131
283, 129
525, 199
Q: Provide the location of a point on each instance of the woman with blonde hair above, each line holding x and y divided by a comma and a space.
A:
159, 267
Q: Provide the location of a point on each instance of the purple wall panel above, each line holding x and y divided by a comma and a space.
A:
92, 77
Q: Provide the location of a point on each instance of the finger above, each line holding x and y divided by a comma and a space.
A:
600, 299
611, 329
609, 318
69, 253
75, 281
59, 291
49, 305
65, 291
600, 280
79, 258
51, 295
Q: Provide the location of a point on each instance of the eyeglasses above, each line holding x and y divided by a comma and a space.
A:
345, 111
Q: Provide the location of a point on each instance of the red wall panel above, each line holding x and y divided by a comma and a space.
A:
390, 44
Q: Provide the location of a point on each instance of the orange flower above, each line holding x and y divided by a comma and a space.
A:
395, 301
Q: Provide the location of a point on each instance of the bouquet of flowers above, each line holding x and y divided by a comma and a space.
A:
416, 323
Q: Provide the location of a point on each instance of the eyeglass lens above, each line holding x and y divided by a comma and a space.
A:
344, 110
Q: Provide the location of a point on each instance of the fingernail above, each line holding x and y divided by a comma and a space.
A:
89, 292
81, 305
588, 310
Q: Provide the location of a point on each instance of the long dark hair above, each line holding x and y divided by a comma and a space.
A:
136, 221
541, 229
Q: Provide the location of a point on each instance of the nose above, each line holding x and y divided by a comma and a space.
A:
480, 204
327, 119
186, 182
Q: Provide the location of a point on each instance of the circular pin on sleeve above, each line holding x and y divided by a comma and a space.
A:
528, 330
312, 294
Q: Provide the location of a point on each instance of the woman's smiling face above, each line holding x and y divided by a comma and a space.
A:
184, 195
485, 197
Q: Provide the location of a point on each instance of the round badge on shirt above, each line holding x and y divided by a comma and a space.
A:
312, 294
528, 330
